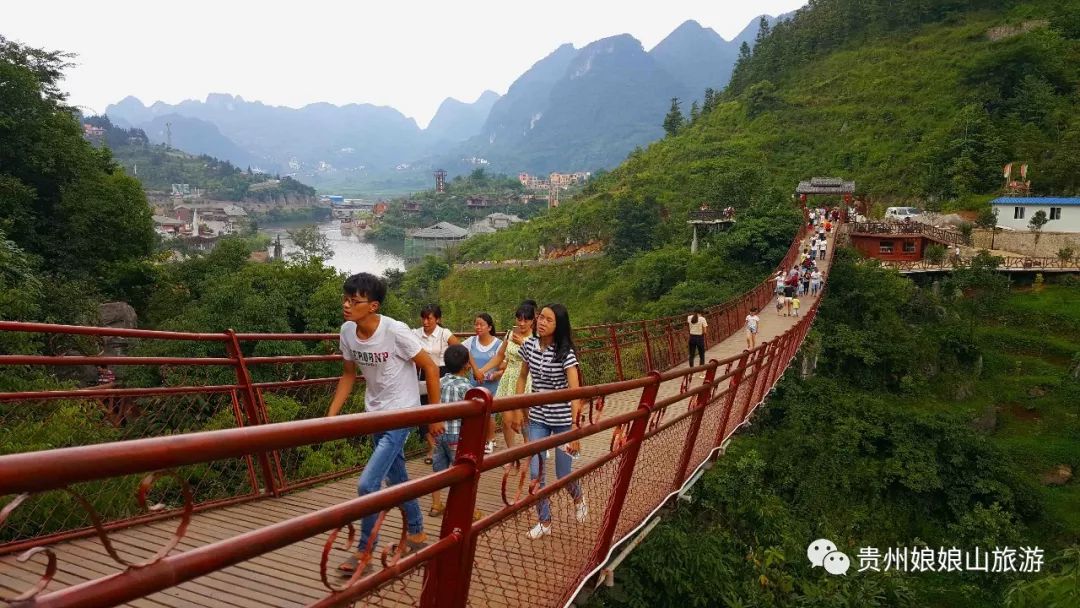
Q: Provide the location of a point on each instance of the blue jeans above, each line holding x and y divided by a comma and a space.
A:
387, 462
563, 464
445, 452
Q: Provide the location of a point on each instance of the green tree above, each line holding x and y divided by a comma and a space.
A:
420, 286
695, 113
312, 243
63, 202
635, 227
674, 120
711, 98
1035, 225
1059, 587
935, 253
977, 291
988, 220
760, 98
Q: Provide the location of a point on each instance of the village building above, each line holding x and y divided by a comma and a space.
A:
1015, 212
433, 239
900, 241
479, 202
493, 223
167, 227
565, 180
500, 221
553, 180
92, 132
213, 219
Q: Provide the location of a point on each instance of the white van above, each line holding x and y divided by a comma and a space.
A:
899, 214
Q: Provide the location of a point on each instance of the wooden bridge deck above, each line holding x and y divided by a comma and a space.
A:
290, 576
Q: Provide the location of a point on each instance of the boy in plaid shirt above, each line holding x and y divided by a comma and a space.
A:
452, 388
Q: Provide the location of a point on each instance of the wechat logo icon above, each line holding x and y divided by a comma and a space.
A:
822, 552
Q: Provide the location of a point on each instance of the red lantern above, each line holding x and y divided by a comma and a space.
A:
847, 198
802, 198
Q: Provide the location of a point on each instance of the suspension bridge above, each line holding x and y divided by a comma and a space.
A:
254, 491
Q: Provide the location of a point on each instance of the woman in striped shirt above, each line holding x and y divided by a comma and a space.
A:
550, 359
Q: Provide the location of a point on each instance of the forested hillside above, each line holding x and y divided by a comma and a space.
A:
914, 101
157, 167
919, 429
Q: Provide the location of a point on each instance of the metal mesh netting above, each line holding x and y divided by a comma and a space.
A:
306, 463
511, 569
42, 424
654, 473
405, 590
706, 438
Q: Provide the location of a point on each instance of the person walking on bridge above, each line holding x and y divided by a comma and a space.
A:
509, 361
551, 360
435, 339
387, 353
752, 321
482, 349
698, 325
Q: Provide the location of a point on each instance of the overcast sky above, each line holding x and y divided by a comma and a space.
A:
406, 54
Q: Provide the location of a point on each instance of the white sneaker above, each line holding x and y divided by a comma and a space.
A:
489, 447
581, 511
539, 530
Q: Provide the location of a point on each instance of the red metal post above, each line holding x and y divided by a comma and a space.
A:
778, 362
695, 425
762, 376
247, 459
251, 408
729, 402
672, 360
618, 355
648, 346
446, 582
625, 473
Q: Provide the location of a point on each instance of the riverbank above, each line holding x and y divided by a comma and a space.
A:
352, 252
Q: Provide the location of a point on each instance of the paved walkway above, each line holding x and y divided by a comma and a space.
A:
510, 570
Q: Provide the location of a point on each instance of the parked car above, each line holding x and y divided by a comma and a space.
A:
899, 214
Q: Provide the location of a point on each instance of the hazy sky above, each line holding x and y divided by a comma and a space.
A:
407, 54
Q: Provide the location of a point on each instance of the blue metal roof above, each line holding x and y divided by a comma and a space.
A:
1036, 200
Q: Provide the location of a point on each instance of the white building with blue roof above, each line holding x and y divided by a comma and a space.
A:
1014, 212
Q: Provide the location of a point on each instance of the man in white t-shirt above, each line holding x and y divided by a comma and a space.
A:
387, 353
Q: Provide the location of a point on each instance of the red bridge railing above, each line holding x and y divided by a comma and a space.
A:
225, 442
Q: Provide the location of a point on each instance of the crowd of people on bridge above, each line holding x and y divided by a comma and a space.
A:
405, 367
805, 277
536, 355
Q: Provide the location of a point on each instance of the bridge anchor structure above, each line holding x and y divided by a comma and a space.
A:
709, 220
195, 498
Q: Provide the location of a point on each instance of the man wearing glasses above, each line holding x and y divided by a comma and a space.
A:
387, 353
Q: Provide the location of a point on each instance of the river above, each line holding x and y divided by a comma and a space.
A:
351, 254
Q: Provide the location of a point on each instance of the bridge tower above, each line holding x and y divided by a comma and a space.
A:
440, 181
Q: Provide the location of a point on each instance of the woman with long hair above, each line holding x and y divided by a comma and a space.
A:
482, 348
550, 359
508, 360
697, 325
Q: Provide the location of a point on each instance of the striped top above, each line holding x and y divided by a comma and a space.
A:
548, 375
